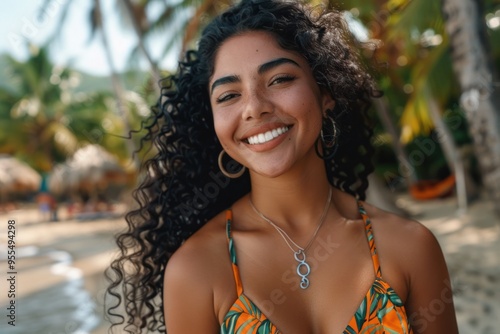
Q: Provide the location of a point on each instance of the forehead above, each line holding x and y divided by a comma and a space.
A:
247, 51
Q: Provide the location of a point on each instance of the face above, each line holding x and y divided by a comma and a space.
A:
266, 104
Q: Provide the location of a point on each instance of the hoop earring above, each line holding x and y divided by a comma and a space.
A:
225, 172
328, 132
328, 138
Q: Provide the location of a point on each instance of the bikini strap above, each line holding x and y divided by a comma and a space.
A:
371, 240
232, 253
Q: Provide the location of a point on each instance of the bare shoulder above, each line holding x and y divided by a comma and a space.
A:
399, 240
201, 252
408, 248
191, 276
395, 230
417, 256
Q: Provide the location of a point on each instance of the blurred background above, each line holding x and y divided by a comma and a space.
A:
78, 78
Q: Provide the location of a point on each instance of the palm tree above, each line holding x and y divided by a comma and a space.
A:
414, 46
32, 110
183, 20
136, 12
42, 121
97, 28
475, 72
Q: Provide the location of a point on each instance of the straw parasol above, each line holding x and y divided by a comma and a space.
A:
91, 171
17, 178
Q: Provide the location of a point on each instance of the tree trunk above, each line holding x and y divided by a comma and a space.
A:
116, 83
466, 27
382, 108
380, 192
140, 37
464, 184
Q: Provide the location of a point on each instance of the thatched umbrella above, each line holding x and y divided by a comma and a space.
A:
17, 178
91, 171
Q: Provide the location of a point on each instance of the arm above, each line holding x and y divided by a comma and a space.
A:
188, 296
430, 301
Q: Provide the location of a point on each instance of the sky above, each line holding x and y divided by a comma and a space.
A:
24, 21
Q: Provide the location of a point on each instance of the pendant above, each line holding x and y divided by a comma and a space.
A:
303, 268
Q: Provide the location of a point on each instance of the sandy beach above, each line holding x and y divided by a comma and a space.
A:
471, 245
59, 281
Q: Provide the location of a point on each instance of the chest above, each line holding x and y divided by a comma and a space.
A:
341, 275
379, 309
334, 293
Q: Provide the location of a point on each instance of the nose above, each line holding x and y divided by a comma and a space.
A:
256, 105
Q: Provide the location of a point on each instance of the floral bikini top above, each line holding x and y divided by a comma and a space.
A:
381, 311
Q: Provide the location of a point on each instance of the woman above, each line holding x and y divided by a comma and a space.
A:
277, 240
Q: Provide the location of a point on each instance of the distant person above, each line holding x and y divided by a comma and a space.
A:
283, 243
47, 204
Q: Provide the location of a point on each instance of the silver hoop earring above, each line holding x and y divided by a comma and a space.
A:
225, 172
328, 132
328, 139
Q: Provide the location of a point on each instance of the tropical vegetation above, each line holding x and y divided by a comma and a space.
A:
423, 130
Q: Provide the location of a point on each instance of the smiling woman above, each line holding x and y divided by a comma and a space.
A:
270, 90
278, 240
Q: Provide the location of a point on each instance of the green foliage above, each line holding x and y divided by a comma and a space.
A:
43, 120
413, 67
408, 47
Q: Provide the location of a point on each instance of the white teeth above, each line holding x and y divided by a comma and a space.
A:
262, 138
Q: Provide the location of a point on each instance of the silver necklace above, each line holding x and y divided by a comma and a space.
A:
303, 268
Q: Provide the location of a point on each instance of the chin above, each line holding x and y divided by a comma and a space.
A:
271, 172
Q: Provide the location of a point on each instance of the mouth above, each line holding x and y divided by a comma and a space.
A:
267, 136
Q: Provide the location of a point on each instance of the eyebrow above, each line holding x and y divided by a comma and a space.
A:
274, 63
262, 69
224, 80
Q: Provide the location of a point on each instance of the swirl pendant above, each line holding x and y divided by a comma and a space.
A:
303, 268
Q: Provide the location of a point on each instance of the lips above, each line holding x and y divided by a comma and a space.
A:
267, 136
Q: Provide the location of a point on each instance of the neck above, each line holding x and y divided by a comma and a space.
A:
295, 199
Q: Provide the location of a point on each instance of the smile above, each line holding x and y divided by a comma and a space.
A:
264, 137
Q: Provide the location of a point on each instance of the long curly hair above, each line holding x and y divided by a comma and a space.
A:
183, 188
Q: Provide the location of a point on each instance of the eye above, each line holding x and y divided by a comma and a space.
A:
226, 97
281, 78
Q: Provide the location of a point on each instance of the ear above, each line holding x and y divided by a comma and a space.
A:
327, 102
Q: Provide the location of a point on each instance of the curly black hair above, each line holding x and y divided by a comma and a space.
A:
183, 188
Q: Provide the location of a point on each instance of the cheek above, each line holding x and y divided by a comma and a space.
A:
218, 126
309, 109
223, 127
